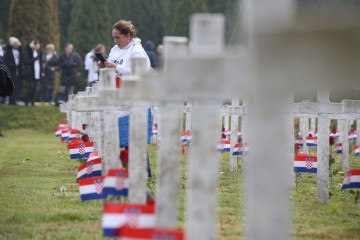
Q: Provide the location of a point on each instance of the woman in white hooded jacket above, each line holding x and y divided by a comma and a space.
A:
127, 46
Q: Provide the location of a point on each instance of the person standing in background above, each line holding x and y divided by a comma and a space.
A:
91, 66
48, 74
68, 64
6, 85
87, 60
13, 59
33, 61
150, 51
1, 53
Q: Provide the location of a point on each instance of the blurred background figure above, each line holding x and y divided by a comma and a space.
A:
68, 64
50, 65
1, 49
91, 66
150, 51
6, 85
33, 61
87, 64
13, 59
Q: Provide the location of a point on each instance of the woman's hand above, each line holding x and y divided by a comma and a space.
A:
100, 64
110, 64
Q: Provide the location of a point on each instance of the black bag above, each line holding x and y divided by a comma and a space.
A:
6, 83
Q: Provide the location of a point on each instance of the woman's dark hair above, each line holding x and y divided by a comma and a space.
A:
125, 27
67, 44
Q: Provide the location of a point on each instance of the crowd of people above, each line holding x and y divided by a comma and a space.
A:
34, 70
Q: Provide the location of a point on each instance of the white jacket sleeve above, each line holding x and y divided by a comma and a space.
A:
121, 70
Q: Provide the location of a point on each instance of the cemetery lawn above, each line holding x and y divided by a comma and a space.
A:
34, 165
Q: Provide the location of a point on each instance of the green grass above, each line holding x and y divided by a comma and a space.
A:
39, 118
34, 165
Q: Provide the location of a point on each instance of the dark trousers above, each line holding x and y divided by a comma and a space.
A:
31, 92
63, 93
43, 97
48, 95
17, 91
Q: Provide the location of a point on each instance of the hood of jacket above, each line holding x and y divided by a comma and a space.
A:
133, 42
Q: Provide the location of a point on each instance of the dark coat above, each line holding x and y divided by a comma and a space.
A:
6, 83
150, 51
29, 70
49, 75
9, 60
68, 65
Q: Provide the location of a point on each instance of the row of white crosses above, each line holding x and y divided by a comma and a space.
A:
325, 111
184, 79
344, 123
204, 162
127, 97
225, 111
195, 77
89, 103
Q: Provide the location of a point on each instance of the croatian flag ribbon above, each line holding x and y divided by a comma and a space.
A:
241, 149
89, 169
93, 155
357, 150
74, 133
335, 135
132, 215
338, 148
237, 150
227, 133
74, 142
305, 163
65, 134
185, 136
352, 135
352, 179
299, 142
128, 233
154, 131
80, 150
58, 132
91, 188
223, 146
311, 141
116, 182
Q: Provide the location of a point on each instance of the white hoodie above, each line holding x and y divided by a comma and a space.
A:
122, 56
